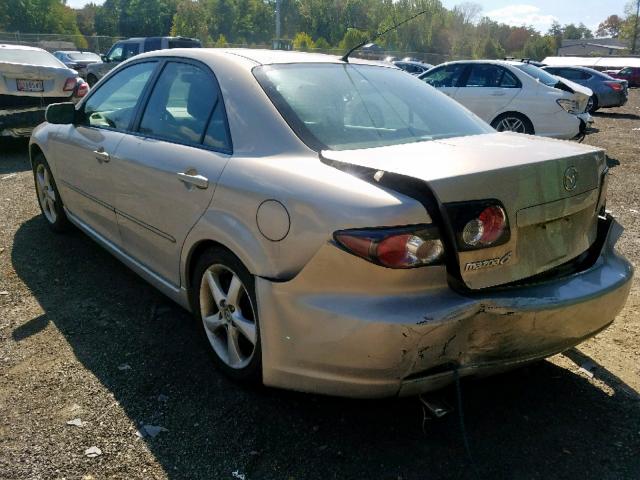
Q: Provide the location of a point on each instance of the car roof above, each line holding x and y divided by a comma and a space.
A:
20, 47
258, 56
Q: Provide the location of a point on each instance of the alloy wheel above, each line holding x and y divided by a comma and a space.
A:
46, 193
511, 124
228, 316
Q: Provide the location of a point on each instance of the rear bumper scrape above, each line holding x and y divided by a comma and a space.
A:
20, 122
346, 327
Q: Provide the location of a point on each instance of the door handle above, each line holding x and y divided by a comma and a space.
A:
101, 155
498, 94
193, 179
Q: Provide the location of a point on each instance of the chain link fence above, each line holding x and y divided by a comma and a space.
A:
52, 41
102, 43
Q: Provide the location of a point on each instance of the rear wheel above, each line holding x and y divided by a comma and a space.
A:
224, 301
592, 104
513, 122
48, 196
92, 80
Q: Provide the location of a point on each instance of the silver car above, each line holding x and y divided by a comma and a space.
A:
30, 80
335, 227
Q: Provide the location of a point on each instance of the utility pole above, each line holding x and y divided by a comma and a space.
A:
635, 29
278, 19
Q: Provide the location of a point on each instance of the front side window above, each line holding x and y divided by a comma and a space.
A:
113, 104
181, 104
345, 106
445, 76
130, 50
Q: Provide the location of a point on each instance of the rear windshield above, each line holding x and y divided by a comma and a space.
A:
30, 57
83, 56
346, 106
538, 74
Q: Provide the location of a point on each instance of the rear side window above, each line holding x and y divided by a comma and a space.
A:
445, 76
151, 44
491, 76
112, 105
183, 43
185, 107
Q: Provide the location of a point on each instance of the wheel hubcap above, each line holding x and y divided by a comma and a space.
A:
511, 124
46, 193
228, 316
590, 104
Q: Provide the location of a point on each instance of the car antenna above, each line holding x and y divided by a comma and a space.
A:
345, 57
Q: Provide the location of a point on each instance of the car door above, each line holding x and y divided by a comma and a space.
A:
86, 149
446, 78
488, 89
166, 174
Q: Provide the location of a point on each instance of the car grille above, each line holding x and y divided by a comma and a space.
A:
15, 101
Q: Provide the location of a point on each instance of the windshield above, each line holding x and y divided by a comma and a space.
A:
30, 57
84, 56
538, 74
345, 106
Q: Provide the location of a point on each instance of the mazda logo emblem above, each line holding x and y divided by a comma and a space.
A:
570, 179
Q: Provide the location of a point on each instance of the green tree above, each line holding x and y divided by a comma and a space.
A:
610, 27
221, 42
191, 20
353, 37
490, 49
322, 44
302, 41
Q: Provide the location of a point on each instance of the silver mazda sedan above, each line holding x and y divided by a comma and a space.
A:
335, 227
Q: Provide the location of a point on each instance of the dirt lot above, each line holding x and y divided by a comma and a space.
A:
83, 338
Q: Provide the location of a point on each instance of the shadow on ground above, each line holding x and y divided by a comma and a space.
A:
626, 116
539, 422
12, 156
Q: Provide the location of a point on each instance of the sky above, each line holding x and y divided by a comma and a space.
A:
537, 13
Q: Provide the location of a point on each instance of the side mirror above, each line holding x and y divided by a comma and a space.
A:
60, 113
104, 58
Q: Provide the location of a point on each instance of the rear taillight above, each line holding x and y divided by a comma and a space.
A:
479, 224
70, 85
82, 89
404, 247
617, 86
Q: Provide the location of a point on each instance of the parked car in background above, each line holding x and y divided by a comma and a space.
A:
514, 96
31, 79
607, 91
77, 60
125, 49
335, 227
630, 74
412, 67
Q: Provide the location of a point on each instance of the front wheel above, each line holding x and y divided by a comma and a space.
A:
513, 122
48, 196
224, 303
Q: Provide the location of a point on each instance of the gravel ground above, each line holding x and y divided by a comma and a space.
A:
83, 338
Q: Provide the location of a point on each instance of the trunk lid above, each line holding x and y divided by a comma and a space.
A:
552, 218
53, 79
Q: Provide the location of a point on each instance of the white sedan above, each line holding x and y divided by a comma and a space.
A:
515, 96
31, 79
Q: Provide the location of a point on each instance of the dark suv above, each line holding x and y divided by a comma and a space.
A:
125, 49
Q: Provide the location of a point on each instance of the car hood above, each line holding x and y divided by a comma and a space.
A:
550, 222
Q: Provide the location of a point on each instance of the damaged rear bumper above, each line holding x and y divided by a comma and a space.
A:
346, 327
20, 122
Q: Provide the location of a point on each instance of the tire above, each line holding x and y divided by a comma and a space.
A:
238, 356
513, 122
49, 198
592, 106
92, 80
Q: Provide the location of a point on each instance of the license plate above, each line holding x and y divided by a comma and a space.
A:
29, 85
